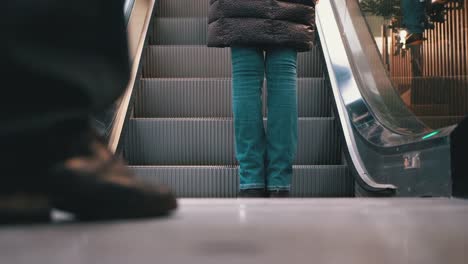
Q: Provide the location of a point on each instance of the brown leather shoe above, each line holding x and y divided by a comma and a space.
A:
24, 208
94, 185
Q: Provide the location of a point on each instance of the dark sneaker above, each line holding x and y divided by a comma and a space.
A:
94, 185
279, 194
252, 193
22, 208
414, 39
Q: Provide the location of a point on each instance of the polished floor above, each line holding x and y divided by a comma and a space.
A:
429, 231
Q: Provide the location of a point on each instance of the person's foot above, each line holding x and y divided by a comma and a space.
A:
279, 194
94, 185
252, 193
23, 208
414, 39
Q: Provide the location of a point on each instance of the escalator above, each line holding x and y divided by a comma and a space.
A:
368, 127
181, 131
391, 142
357, 134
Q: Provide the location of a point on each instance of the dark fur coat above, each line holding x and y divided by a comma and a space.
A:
262, 23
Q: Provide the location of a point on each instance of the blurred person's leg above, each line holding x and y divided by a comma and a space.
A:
60, 62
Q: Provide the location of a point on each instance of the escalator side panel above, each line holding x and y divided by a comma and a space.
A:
459, 152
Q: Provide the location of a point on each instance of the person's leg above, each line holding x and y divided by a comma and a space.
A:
61, 62
413, 15
281, 70
248, 71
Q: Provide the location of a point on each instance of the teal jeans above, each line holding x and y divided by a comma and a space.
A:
414, 15
265, 158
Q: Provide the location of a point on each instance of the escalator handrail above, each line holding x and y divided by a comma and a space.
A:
342, 78
137, 28
128, 8
373, 113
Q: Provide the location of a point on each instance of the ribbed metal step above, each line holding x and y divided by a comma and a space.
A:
222, 181
183, 8
183, 109
195, 141
204, 62
212, 98
179, 31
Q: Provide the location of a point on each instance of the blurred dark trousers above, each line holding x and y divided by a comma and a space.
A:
60, 62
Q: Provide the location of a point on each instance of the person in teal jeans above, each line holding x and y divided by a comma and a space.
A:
265, 37
414, 16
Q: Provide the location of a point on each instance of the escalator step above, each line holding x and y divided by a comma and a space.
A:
204, 62
183, 8
430, 109
222, 181
440, 121
196, 141
179, 31
212, 98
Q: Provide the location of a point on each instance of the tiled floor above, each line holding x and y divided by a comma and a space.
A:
429, 231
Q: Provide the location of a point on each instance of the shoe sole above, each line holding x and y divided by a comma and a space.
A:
415, 43
24, 209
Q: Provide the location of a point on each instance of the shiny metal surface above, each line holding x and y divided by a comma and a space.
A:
204, 231
128, 7
379, 130
137, 29
344, 88
104, 121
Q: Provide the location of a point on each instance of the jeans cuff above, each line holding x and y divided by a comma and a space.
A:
279, 188
246, 186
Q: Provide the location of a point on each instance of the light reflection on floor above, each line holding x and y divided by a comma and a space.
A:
257, 231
